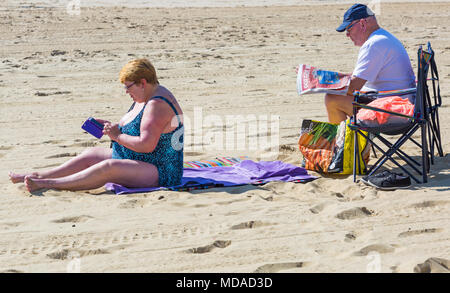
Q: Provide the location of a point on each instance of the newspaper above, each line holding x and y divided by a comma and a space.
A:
313, 80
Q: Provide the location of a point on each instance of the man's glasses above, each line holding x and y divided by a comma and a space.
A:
350, 26
127, 87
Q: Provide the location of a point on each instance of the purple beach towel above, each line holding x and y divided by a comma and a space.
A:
245, 172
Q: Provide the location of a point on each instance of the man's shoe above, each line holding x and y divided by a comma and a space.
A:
391, 182
385, 173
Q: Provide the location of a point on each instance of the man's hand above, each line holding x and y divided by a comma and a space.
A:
356, 84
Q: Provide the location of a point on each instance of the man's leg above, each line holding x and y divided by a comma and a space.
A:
129, 173
86, 159
338, 107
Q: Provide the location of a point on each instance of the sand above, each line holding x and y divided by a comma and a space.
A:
58, 69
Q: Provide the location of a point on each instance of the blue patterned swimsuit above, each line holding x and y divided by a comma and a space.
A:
168, 154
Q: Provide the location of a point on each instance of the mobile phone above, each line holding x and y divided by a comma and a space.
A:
93, 127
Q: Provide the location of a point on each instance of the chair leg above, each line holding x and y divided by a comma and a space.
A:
374, 151
387, 155
355, 153
436, 131
431, 141
437, 128
410, 161
425, 160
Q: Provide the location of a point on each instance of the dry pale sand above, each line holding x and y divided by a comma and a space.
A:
56, 70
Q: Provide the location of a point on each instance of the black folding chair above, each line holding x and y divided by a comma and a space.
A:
425, 121
434, 103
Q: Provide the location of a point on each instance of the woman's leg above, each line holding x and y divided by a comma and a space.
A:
338, 107
128, 173
86, 159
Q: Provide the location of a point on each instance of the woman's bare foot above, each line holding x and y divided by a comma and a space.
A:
19, 178
33, 183
16, 178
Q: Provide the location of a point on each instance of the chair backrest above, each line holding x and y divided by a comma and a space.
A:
432, 102
435, 79
421, 105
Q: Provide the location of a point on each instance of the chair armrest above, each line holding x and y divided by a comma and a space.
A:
358, 105
382, 94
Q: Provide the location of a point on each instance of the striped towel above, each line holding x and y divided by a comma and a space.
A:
217, 162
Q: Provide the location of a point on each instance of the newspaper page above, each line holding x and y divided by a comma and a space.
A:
313, 80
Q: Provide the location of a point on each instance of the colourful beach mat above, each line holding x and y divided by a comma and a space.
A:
217, 162
239, 173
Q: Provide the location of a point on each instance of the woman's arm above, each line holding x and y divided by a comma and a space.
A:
154, 119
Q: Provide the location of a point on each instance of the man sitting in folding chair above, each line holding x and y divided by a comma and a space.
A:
424, 120
383, 63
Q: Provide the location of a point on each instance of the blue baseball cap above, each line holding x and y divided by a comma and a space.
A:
357, 11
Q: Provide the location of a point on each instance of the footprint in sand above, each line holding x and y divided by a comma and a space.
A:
134, 203
430, 204
351, 236
63, 254
58, 52
47, 166
178, 204
380, 248
237, 190
67, 254
62, 155
394, 269
418, 232
208, 248
78, 219
318, 208
52, 141
433, 265
42, 94
249, 225
313, 188
287, 148
11, 225
276, 267
81, 144
12, 271
354, 213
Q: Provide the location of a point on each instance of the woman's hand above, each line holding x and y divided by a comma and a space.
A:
111, 130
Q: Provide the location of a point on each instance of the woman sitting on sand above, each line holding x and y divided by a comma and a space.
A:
147, 148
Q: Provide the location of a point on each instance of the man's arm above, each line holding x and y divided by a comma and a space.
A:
356, 84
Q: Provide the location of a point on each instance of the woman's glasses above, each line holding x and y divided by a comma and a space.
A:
127, 87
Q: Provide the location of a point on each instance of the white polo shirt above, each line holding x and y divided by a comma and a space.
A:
384, 63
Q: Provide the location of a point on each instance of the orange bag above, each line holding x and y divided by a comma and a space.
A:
328, 148
316, 142
394, 104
